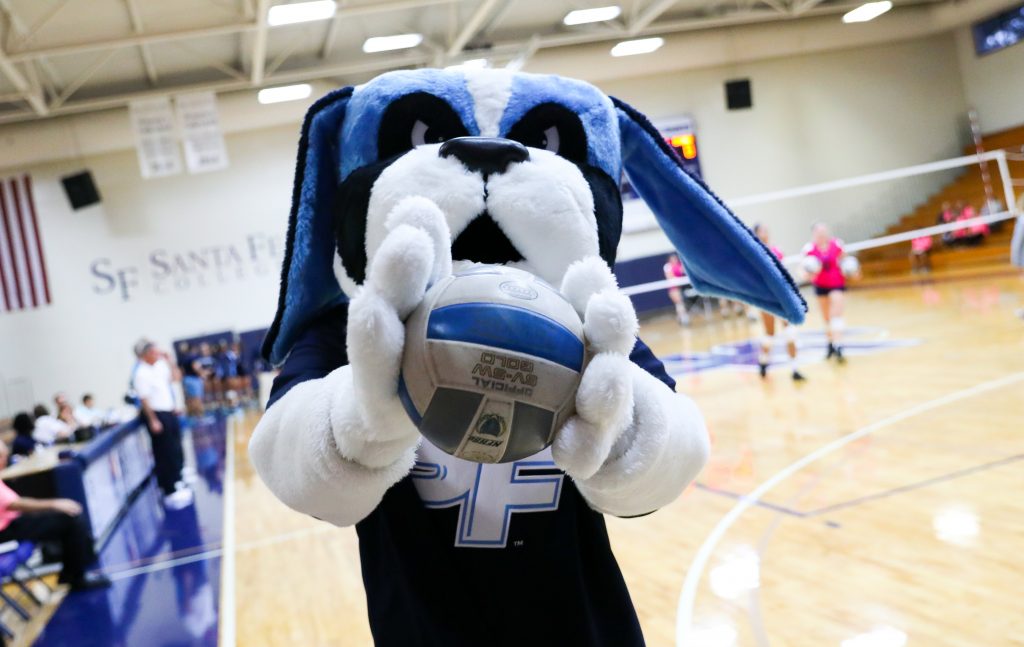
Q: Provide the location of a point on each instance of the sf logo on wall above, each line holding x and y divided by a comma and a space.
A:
488, 496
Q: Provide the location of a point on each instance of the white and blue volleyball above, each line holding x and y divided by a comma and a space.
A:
493, 358
849, 266
811, 265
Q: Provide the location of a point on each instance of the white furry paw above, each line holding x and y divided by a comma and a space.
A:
396, 281
422, 214
604, 409
584, 279
604, 401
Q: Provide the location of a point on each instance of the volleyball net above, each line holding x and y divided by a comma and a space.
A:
859, 210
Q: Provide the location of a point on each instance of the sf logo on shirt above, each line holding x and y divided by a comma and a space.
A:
486, 495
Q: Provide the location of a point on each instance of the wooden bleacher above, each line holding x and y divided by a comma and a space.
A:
892, 261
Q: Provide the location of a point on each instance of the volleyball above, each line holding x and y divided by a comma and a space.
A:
811, 265
492, 361
849, 266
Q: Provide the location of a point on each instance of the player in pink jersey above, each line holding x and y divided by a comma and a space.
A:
920, 249
764, 357
674, 270
829, 285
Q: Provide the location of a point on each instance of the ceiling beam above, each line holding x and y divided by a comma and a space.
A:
130, 41
649, 14
259, 44
33, 95
147, 60
472, 26
683, 25
384, 7
498, 17
22, 31
211, 62
507, 51
523, 55
230, 85
70, 49
332, 32
26, 34
73, 87
799, 8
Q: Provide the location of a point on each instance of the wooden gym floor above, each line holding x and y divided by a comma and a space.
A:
879, 504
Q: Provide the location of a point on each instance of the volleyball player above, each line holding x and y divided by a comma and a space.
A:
674, 270
764, 358
829, 285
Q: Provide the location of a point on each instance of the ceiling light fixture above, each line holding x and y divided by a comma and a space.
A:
284, 93
597, 14
867, 11
289, 14
389, 43
640, 46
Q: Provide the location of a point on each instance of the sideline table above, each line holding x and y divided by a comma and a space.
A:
103, 474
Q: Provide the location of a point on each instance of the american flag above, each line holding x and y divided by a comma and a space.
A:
23, 280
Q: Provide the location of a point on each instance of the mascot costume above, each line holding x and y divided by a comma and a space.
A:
397, 182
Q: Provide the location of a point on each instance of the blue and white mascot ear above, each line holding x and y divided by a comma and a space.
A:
308, 284
721, 255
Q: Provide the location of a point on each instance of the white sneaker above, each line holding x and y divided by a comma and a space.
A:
179, 499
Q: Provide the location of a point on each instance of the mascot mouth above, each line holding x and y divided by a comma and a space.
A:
483, 241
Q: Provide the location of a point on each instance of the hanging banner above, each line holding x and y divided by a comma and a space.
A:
200, 129
155, 140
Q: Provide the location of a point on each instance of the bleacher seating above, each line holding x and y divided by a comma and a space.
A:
893, 260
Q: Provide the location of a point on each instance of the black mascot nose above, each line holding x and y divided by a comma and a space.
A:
485, 154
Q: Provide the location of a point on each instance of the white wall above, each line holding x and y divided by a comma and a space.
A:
238, 217
815, 118
994, 84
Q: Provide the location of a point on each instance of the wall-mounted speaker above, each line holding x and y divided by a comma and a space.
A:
737, 94
80, 189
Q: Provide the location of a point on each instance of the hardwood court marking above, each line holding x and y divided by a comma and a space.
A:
688, 594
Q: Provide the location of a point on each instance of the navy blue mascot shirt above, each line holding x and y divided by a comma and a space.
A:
437, 575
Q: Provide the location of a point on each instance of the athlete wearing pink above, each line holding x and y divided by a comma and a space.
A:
673, 269
764, 357
829, 285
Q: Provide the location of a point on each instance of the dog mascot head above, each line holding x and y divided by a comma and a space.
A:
525, 168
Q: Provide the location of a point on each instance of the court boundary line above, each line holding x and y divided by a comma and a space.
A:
220, 551
227, 629
694, 575
916, 485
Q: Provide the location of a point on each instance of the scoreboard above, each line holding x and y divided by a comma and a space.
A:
680, 134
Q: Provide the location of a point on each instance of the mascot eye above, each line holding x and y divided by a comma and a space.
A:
414, 120
422, 133
550, 139
554, 128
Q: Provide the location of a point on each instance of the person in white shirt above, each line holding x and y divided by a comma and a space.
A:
87, 414
49, 429
152, 381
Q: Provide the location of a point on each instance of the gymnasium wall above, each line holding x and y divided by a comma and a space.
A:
815, 118
146, 260
994, 84
167, 258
